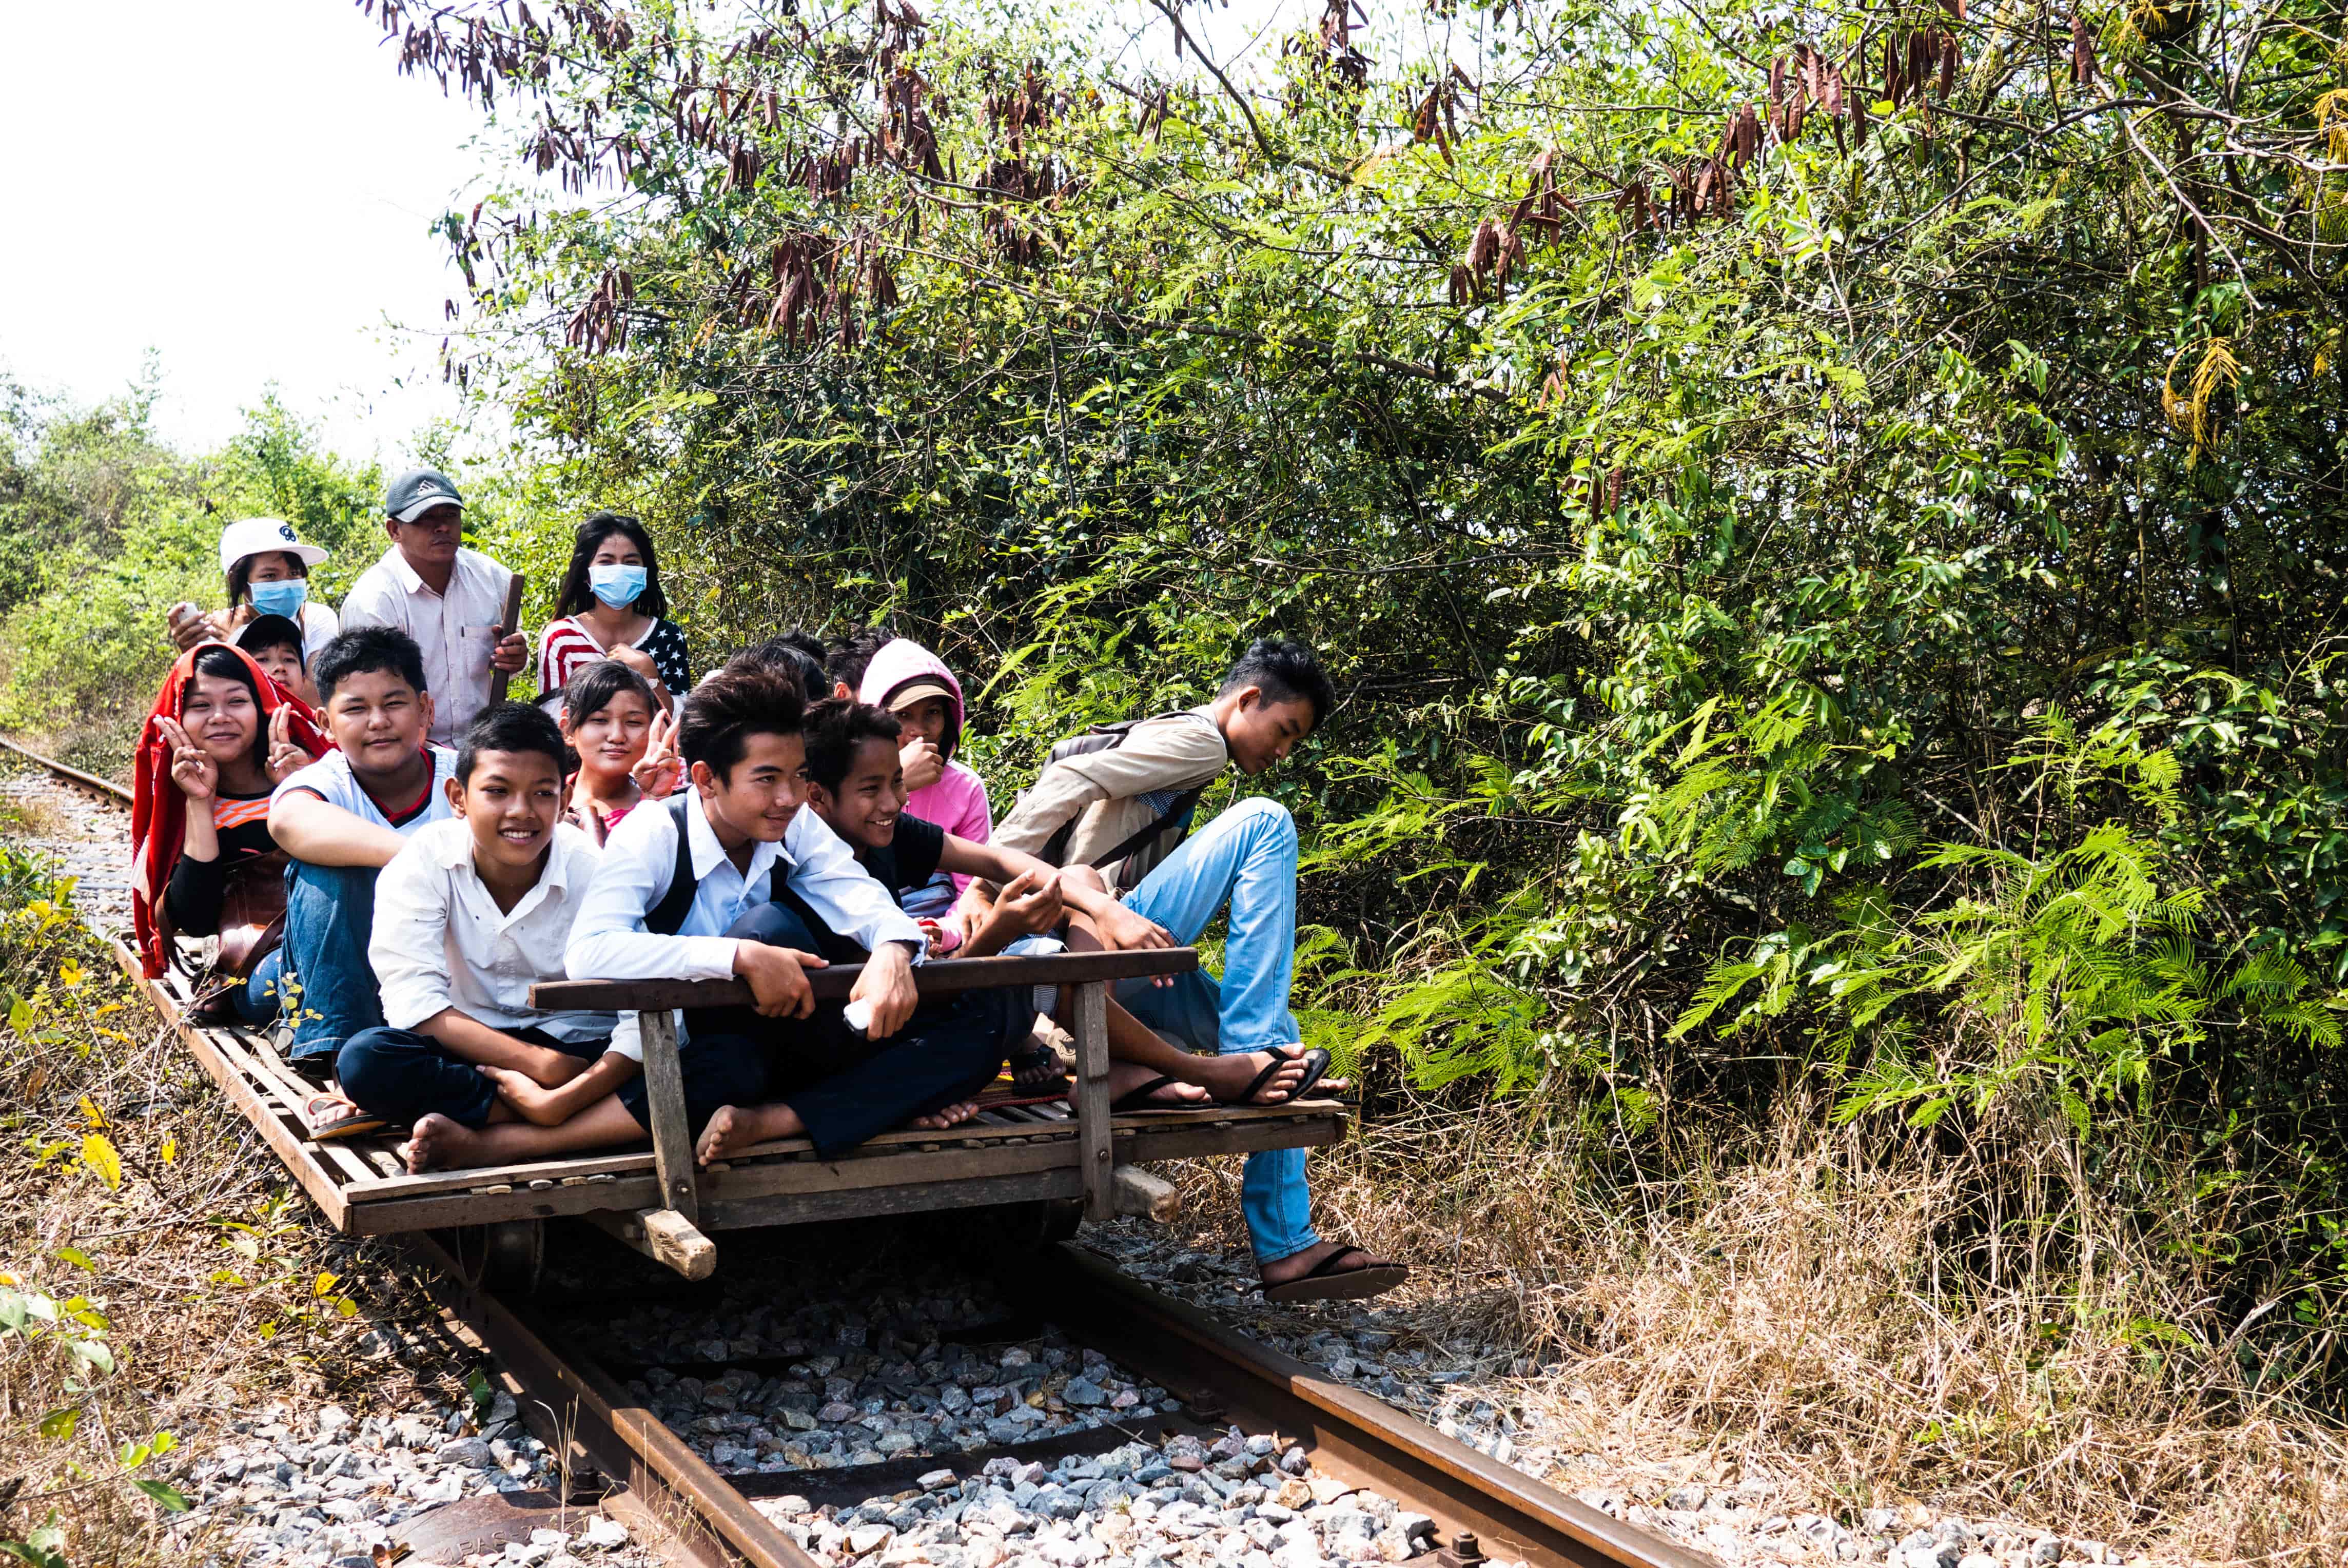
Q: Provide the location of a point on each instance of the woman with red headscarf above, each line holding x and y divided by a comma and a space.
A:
221, 736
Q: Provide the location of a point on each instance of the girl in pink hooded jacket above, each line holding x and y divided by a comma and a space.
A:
914, 684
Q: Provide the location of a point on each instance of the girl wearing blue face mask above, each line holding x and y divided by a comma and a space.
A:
268, 568
611, 606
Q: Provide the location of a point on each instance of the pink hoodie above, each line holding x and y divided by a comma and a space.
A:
957, 802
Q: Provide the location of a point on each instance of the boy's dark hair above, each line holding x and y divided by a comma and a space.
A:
510, 726
798, 654
575, 595
365, 652
591, 689
836, 726
851, 655
264, 633
1287, 670
223, 665
744, 700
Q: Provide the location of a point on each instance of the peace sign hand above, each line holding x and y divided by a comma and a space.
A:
660, 770
287, 757
192, 768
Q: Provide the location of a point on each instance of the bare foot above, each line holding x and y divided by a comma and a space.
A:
1226, 1078
1040, 1071
946, 1115
733, 1129
1298, 1264
1124, 1077
437, 1143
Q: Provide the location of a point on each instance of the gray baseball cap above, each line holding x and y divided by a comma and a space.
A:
418, 492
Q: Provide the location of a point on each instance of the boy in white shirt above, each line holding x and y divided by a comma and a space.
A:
341, 818
470, 914
701, 886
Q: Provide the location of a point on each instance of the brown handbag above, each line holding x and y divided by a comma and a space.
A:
252, 914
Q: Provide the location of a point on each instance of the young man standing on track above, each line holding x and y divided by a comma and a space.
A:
1124, 809
449, 599
341, 818
684, 893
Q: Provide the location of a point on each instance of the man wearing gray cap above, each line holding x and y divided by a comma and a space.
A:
451, 600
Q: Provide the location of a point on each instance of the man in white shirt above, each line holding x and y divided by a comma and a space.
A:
341, 819
681, 882
451, 600
475, 909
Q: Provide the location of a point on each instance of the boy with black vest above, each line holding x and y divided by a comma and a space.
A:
1122, 804
683, 894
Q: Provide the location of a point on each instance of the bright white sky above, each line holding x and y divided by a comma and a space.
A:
247, 193
244, 190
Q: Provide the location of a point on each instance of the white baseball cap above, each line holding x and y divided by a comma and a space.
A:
260, 535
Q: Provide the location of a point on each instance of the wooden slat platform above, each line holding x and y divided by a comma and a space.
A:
1009, 1154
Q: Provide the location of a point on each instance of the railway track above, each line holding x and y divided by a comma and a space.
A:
1219, 1381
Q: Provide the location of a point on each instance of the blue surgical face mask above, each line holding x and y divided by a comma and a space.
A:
283, 597
618, 586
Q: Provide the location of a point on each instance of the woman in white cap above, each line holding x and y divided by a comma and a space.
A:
268, 568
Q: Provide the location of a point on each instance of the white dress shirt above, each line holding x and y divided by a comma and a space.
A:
609, 942
440, 940
457, 631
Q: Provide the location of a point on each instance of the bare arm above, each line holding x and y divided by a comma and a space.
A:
308, 829
998, 866
553, 1107
477, 1042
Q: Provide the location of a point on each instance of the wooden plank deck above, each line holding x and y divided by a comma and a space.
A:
1009, 1154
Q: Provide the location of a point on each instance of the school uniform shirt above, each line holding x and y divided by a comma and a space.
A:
331, 779
1117, 792
910, 859
440, 940
198, 889
457, 631
566, 647
609, 942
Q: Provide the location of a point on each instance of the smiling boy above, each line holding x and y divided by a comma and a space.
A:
341, 818
472, 912
701, 887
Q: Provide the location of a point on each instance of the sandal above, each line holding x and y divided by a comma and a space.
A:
351, 1122
1316, 1062
1326, 1282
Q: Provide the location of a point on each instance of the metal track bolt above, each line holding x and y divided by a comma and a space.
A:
1463, 1552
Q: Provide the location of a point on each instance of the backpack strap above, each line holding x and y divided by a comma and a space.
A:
666, 918
1176, 814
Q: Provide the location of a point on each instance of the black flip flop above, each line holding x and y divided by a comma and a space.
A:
357, 1124
1139, 1098
1316, 1062
1326, 1282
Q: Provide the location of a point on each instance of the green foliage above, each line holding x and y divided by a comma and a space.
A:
110, 529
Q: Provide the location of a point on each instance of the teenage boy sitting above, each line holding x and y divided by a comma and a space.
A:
1128, 806
685, 884
341, 818
856, 782
469, 914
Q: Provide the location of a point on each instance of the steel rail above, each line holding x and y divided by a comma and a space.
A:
1349, 1434
115, 793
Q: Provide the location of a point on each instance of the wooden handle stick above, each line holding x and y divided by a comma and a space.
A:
509, 623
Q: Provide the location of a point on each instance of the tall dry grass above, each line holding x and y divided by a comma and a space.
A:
1877, 1318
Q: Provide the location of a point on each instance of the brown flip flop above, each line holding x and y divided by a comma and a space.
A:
1326, 1282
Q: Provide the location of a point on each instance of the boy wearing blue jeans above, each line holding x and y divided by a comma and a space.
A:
1125, 810
341, 820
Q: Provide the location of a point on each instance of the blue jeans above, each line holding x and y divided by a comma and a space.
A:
329, 914
255, 1002
1246, 857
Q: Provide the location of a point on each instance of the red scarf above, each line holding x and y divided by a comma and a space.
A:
158, 811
